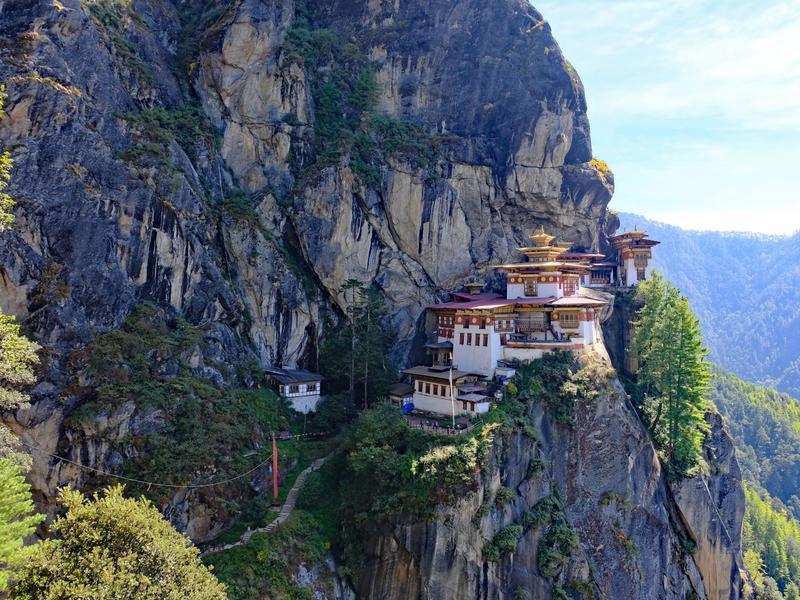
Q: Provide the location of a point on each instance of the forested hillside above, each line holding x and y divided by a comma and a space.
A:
766, 428
744, 289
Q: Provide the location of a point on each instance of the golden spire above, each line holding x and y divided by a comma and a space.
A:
542, 239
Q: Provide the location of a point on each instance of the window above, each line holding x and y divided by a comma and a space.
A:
293, 389
445, 390
469, 339
427, 388
485, 339
435, 389
461, 338
531, 288
419, 386
570, 286
464, 405
568, 320
311, 387
640, 274
472, 406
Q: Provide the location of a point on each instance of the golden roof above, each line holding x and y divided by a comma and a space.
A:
542, 239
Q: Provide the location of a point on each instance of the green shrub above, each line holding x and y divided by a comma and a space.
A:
544, 511
504, 495
536, 466
556, 547
507, 538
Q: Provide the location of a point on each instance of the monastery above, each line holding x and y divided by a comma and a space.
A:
548, 305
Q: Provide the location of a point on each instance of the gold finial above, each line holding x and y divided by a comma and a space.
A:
542, 239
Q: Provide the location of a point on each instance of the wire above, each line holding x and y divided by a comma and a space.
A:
35, 448
149, 483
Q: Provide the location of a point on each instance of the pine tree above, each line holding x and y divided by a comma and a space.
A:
18, 359
358, 350
6, 203
114, 547
17, 520
673, 374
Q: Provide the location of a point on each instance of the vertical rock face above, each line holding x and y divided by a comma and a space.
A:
634, 539
156, 160
713, 510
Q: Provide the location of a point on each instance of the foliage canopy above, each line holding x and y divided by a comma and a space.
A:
673, 374
114, 547
17, 520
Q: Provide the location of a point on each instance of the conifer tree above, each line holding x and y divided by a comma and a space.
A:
18, 359
354, 355
114, 547
673, 374
17, 520
6, 203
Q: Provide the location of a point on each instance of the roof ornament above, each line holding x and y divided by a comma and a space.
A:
542, 239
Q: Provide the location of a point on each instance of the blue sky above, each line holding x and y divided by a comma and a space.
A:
695, 105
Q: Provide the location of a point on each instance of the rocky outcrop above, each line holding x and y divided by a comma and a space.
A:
713, 510
633, 541
158, 150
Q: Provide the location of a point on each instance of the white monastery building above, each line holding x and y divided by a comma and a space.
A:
301, 388
547, 306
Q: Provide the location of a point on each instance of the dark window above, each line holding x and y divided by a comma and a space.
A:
469, 339
485, 339
461, 339
419, 386
293, 389
427, 388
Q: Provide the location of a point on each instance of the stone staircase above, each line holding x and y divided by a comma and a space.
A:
283, 515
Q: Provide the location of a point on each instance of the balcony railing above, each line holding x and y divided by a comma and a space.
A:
531, 327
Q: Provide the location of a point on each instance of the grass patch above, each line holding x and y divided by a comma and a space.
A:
263, 568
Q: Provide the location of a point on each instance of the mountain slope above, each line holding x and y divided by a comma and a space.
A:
234, 164
766, 427
744, 290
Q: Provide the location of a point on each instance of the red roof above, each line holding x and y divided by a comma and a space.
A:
580, 255
467, 297
490, 303
578, 301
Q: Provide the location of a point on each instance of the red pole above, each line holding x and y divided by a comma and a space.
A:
274, 468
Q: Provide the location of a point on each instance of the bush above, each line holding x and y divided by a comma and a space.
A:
556, 547
505, 542
114, 547
504, 496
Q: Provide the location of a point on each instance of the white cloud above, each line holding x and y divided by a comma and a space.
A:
736, 63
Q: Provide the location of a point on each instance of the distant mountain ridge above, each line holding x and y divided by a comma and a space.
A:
745, 288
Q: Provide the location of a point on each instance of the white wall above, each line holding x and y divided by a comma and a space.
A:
515, 290
437, 404
549, 289
476, 358
510, 353
443, 406
305, 404
630, 270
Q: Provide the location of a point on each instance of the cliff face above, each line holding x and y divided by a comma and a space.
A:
172, 153
633, 539
169, 153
